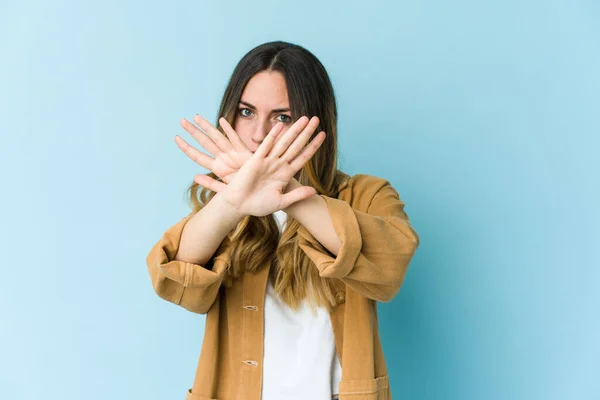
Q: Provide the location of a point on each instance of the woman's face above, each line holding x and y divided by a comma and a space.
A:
264, 102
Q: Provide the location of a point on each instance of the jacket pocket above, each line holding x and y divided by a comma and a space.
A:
191, 396
368, 389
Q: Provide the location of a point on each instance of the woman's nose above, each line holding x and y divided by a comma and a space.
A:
261, 130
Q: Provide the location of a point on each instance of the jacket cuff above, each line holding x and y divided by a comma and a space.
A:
347, 228
194, 275
185, 273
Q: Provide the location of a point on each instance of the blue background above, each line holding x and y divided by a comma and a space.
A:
483, 114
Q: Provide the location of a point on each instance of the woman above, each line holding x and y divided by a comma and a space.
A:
285, 254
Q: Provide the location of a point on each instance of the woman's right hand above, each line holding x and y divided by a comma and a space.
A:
257, 187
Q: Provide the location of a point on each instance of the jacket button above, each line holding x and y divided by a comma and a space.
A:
340, 297
250, 362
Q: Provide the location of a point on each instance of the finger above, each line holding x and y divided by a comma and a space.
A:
234, 138
288, 137
300, 141
267, 143
279, 127
199, 136
197, 156
296, 195
308, 152
213, 133
209, 183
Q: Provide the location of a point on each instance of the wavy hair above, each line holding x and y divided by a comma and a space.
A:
256, 241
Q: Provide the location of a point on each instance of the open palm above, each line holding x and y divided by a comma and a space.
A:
256, 188
229, 152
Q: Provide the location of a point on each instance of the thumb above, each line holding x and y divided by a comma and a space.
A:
296, 195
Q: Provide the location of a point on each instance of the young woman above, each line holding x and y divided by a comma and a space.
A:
286, 255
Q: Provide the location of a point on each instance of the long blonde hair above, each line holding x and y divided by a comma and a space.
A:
255, 241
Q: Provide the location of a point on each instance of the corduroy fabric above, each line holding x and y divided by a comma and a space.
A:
378, 243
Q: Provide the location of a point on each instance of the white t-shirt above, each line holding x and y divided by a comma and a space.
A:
300, 361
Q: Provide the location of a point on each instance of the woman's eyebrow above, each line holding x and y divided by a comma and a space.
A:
276, 110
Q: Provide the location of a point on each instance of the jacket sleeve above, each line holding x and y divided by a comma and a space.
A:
377, 245
191, 286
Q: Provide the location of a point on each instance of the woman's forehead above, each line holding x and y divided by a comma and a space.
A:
266, 90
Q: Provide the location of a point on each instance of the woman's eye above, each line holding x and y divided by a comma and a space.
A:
246, 112
286, 118
242, 112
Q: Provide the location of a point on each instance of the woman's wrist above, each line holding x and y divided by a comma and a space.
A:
226, 210
292, 184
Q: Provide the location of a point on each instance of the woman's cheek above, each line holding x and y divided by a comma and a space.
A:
243, 132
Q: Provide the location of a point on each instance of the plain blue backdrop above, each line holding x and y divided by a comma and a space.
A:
484, 115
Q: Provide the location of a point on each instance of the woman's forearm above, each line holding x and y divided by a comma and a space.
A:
205, 231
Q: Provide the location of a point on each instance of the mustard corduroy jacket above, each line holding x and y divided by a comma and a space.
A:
378, 243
